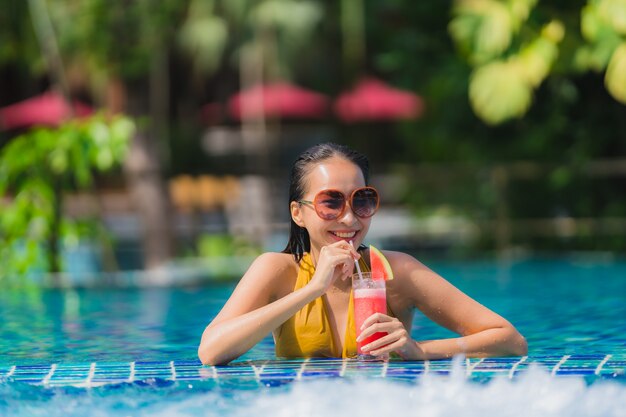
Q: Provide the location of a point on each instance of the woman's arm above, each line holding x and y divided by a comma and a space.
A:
250, 314
483, 332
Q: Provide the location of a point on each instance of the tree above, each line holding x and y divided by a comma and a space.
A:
512, 50
511, 55
124, 48
603, 25
36, 169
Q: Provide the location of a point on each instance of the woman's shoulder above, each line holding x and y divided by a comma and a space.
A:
277, 261
397, 257
275, 270
279, 258
403, 264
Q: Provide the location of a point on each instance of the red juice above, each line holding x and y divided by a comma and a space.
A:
368, 301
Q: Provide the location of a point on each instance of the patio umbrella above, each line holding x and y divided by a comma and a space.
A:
278, 100
373, 100
48, 109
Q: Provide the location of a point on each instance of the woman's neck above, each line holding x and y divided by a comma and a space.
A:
315, 255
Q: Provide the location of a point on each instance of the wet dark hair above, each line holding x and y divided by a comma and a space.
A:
299, 241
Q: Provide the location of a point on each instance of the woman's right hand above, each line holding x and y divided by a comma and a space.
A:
335, 261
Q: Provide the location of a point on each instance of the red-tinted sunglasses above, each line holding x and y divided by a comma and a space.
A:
330, 204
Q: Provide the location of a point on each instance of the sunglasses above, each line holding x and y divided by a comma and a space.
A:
330, 204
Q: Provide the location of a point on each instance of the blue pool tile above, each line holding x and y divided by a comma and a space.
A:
409, 373
126, 374
28, 376
584, 356
194, 363
581, 372
441, 372
152, 363
34, 381
403, 378
275, 382
274, 373
318, 374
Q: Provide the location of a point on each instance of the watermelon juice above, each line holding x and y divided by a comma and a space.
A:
369, 297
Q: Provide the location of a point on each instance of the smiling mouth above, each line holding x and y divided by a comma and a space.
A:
345, 235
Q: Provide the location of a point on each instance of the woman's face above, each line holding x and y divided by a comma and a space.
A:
338, 174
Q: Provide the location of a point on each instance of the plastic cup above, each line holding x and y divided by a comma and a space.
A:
370, 297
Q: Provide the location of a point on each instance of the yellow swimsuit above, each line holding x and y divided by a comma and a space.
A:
308, 333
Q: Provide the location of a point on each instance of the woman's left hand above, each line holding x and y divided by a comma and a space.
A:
397, 339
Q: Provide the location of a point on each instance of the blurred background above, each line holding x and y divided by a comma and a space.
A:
152, 140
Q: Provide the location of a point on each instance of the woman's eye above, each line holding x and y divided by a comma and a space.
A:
332, 203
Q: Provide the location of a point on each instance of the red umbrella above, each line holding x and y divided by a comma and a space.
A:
281, 100
48, 109
373, 100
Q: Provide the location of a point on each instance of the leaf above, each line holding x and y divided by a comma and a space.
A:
498, 92
99, 132
291, 15
495, 34
553, 31
533, 65
520, 9
462, 29
614, 13
204, 39
58, 160
590, 22
536, 59
615, 78
483, 28
598, 55
122, 129
104, 159
292, 21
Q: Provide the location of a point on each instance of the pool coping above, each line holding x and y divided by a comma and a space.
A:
270, 372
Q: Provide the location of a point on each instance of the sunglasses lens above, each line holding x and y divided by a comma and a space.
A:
329, 204
365, 202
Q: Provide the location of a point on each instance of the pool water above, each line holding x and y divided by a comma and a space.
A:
564, 307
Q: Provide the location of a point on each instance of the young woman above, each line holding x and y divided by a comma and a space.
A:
303, 295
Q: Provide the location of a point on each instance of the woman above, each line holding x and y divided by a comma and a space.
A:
303, 294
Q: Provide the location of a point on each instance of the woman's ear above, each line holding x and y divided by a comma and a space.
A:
296, 213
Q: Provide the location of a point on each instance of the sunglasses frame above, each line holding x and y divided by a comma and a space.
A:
346, 202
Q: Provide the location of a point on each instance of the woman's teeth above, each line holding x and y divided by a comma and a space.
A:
345, 235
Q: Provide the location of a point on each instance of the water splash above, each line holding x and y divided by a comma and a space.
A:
534, 393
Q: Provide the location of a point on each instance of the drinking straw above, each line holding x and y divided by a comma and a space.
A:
356, 262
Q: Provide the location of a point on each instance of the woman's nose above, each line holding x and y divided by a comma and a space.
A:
347, 217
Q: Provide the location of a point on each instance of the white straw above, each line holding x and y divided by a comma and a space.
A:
356, 262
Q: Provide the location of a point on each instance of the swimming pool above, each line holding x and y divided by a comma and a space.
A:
133, 352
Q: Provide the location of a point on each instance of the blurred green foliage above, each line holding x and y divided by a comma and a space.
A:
503, 81
511, 55
219, 245
114, 38
218, 30
36, 168
603, 25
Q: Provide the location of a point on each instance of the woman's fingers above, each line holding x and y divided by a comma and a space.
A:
392, 347
395, 340
338, 255
343, 245
335, 261
377, 318
386, 327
